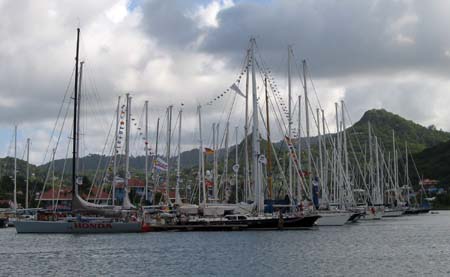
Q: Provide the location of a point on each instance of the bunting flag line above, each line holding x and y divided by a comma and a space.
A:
237, 90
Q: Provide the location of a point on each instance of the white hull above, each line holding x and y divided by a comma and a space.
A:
65, 227
393, 213
333, 218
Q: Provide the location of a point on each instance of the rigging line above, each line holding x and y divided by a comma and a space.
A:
314, 165
62, 177
96, 91
58, 116
297, 66
106, 171
417, 172
281, 171
353, 129
24, 152
56, 147
222, 141
172, 132
48, 173
101, 157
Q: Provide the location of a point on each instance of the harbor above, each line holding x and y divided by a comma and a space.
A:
224, 138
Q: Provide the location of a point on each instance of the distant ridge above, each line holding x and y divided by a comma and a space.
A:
382, 122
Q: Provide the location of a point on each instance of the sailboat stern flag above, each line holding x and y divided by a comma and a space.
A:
160, 164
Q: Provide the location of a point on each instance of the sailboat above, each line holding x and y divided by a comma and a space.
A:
107, 219
221, 216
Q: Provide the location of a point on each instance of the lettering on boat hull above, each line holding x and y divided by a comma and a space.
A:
86, 225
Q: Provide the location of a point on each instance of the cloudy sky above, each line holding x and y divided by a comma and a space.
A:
372, 54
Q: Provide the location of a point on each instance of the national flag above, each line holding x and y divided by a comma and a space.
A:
160, 164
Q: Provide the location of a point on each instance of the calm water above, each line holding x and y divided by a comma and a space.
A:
406, 246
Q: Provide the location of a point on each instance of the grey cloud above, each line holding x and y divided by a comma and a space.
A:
169, 23
340, 37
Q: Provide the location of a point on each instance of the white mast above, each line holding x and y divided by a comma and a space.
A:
115, 153
325, 156
126, 200
289, 118
407, 174
337, 158
225, 166
371, 177
169, 137
146, 150
155, 174
53, 178
177, 188
246, 162
28, 173
215, 170
395, 160
79, 115
319, 136
377, 164
236, 167
344, 137
305, 88
202, 158
299, 156
255, 139
15, 167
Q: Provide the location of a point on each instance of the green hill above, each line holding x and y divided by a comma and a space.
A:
383, 122
434, 162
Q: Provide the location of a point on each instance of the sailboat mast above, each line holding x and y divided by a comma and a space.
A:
127, 151
75, 123
325, 157
115, 153
246, 161
28, 173
336, 157
215, 173
154, 172
169, 137
53, 178
299, 149
371, 177
255, 139
344, 141
377, 166
79, 113
202, 159
236, 167
407, 173
225, 166
15, 167
289, 119
269, 143
319, 136
177, 188
305, 88
146, 150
